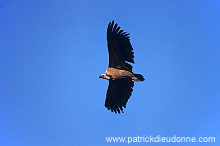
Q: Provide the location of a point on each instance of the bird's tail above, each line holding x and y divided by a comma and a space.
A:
138, 78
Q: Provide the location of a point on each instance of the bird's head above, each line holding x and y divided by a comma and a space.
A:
104, 76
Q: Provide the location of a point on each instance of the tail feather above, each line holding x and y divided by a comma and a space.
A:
139, 78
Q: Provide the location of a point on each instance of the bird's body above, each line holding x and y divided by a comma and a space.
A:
115, 74
119, 72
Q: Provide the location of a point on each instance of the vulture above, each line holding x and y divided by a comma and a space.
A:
119, 72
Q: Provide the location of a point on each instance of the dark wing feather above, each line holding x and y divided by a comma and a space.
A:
118, 93
119, 48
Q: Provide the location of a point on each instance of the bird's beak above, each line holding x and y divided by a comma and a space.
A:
102, 76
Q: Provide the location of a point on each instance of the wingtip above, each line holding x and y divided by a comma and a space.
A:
110, 25
111, 22
116, 110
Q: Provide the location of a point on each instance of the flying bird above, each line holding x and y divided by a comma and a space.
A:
119, 72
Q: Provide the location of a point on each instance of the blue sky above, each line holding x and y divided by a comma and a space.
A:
52, 52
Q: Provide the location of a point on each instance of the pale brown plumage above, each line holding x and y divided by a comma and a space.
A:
118, 73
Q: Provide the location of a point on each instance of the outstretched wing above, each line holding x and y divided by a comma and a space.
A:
119, 48
118, 93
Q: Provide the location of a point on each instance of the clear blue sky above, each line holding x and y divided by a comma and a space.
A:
52, 52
